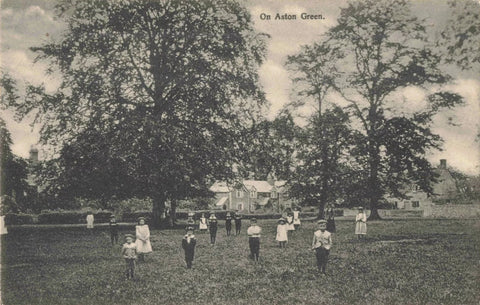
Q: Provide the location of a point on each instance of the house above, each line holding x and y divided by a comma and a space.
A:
445, 188
251, 195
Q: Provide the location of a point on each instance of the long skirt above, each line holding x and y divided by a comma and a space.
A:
361, 228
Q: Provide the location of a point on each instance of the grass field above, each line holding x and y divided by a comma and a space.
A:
400, 262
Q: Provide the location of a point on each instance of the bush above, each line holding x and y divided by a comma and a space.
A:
18, 219
71, 217
133, 216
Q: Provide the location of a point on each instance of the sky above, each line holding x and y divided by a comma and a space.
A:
26, 23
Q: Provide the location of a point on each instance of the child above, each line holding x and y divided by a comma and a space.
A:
361, 224
142, 232
322, 241
290, 226
282, 236
113, 230
296, 218
190, 220
238, 223
331, 221
253, 233
90, 220
188, 244
228, 223
203, 223
213, 228
129, 252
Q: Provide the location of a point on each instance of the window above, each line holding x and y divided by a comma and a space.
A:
240, 206
273, 194
239, 194
253, 194
415, 204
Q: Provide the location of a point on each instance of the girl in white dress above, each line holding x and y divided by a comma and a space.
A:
282, 236
361, 224
142, 233
203, 223
296, 218
290, 225
90, 220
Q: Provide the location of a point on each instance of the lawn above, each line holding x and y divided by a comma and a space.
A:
400, 262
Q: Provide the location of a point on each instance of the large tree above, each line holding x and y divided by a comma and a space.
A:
170, 84
380, 49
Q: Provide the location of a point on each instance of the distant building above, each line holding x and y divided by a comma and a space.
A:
250, 195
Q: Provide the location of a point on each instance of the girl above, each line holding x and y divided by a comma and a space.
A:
296, 218
142, 233
290, 225
213, 228
90, 220
322, 241
361, 224
228, 223
203, 223
129, 253
282, 236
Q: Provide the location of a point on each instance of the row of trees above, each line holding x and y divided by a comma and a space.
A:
160, 98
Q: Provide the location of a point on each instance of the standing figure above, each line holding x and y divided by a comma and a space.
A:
3, 226
322, 241
361, 224
253, 233
90, 220
331, 220
290, 226
228, 223
113, 229
188, 244
129, 253
238, 223
203, 223
190, 220
282, 236
142, 233
213, 225
296, 218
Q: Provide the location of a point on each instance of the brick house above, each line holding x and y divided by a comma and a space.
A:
250, 195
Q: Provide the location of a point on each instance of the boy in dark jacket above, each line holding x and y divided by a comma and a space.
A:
188, 244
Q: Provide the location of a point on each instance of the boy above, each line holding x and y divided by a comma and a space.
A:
213, 225
113, 230
238, 223
322, 241
254, 232
188, 244
129, 252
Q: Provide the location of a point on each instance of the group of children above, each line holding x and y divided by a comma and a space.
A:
321, 244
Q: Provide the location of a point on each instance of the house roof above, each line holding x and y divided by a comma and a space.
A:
221, 201
220, 187
259, 185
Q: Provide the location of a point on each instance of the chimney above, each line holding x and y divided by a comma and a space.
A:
33, 154
443, 164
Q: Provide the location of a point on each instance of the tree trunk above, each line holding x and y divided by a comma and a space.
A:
374, 193
157, 211
173, 211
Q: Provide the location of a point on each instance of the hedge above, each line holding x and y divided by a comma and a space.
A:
72, 217
133, 216
18, 219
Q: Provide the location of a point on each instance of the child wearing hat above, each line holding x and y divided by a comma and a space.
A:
129, 253
322, 241
142, 232
188, 244
228, 223
361, 224
113, 229
282, 236
203, 223
213, 225
238, 223
253, 232
289, 222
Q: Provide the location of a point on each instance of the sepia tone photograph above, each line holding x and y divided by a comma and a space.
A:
239, 152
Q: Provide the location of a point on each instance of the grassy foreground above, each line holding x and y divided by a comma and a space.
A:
401, 262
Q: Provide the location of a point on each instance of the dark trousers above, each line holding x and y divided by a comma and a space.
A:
238, 227
213, 235
114, 237
322, 258
130, 271
254, 243
189, 254
228, 226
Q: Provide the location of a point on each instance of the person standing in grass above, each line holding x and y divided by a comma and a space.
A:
290, 225
296, 218
90, 220
203, 223
331, 220
188, 244
113, 229
282, 236
322, 241
238, 223
213, 226
254, 231
142, 232
228, 223
361, 224
129, 252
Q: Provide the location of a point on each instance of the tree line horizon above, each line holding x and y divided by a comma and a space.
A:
160, 99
